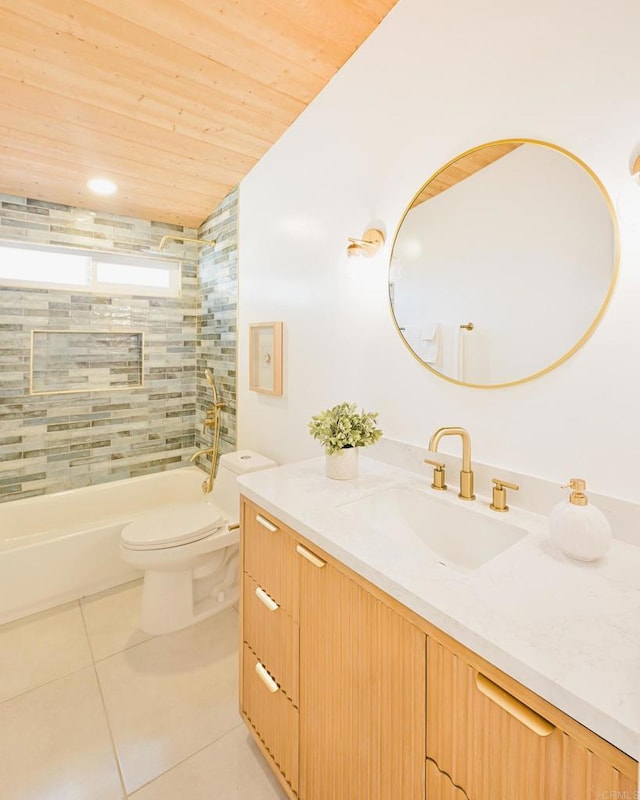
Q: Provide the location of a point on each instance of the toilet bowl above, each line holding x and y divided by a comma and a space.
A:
189, 551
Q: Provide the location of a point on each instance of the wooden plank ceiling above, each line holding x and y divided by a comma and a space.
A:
174, 100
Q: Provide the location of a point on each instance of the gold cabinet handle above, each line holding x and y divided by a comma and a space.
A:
264, 598
265, 523
507, 702
317, 562
264, 676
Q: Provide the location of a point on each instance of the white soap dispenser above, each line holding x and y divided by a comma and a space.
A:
580, 530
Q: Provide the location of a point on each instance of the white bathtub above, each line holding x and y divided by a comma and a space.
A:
59, 547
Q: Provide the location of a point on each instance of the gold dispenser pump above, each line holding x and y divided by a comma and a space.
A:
211, 421
577, 496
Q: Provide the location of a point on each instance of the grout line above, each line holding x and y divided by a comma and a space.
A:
58, 677
114, 748
191, 755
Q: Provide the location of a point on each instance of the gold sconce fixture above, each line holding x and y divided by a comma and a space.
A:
635, 170
368, 246
200, 242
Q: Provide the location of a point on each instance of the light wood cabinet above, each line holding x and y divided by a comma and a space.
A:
362, 691
494, 738
440, 787
269, 641
351, 696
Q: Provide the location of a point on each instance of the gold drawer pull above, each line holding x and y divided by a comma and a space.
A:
264, 676
317, 562
266, 524
264, 598
513, 706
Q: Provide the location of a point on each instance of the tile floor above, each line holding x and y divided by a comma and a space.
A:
91, 708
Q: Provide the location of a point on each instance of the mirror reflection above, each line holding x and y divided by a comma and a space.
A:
503, 264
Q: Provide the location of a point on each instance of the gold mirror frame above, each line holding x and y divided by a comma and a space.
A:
614, 273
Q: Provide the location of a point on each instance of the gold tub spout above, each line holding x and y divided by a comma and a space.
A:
466, 473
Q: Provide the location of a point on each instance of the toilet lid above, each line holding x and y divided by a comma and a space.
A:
172, 525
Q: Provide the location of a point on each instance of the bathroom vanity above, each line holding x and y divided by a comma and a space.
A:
371, 670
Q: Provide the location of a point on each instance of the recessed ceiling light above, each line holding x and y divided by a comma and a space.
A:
102, 186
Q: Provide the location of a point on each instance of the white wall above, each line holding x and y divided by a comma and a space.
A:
432, 81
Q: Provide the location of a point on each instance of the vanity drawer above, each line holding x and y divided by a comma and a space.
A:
272, 717
498, 740
270, 556
272, 634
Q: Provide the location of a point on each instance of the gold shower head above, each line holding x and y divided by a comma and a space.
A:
200, 242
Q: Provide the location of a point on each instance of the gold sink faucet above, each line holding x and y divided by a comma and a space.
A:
466, 474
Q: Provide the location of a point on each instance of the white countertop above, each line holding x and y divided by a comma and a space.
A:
569, 631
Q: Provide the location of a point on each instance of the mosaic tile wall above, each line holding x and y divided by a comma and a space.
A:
217, 323
53, 442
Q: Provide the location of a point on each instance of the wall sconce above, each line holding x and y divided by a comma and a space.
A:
628, 200
368, 246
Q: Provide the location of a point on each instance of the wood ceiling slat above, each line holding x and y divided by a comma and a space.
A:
98, 83
44, 176
339, 20
22, 185
68, 172
133, 48
37, 103
304, 33
14, 131
194, 30
42, 149
377, 9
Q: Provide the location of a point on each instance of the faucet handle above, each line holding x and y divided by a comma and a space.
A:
439, 476
500, 494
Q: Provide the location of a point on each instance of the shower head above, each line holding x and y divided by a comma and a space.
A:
200, 242
209, 376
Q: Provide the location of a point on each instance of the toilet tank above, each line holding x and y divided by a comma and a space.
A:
226, 492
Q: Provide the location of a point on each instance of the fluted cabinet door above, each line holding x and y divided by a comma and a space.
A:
362, 693
439, 785
494, 745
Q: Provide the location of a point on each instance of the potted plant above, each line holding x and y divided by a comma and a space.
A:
342, 430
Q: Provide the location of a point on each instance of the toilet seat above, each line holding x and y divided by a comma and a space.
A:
172, 526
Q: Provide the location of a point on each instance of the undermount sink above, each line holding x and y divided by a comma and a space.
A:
458, 537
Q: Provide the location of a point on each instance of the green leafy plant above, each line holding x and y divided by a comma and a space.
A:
342, 426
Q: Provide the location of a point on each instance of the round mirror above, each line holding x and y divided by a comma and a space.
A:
503, 263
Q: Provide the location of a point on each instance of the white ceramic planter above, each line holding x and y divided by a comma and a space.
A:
343, 466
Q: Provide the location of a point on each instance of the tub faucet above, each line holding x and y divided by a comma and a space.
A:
207, 483
466, 474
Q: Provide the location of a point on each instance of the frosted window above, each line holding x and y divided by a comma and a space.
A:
42, 266
100, 273
133, 276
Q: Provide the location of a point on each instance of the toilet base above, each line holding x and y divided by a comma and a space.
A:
177, 599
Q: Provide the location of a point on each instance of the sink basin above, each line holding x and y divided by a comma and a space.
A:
458, 537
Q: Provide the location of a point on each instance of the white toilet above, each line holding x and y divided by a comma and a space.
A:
189, 551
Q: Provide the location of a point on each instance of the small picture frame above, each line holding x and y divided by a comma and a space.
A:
265, 357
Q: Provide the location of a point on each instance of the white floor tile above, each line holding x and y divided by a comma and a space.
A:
171, 696
230, 769
112, 619
55, 744
42, 648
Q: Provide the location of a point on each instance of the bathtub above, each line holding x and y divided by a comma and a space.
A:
59, 547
